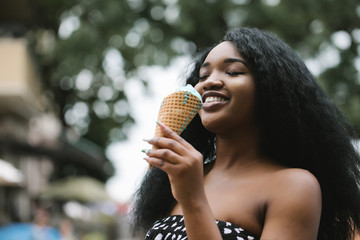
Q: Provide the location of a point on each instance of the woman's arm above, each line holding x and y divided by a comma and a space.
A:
184, 166
294, 207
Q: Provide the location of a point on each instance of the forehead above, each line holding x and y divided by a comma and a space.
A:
222, 51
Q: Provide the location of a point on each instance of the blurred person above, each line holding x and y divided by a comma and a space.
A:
41, 228
268, 157
67, 230
38, 229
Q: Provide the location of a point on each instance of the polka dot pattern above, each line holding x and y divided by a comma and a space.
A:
173, 228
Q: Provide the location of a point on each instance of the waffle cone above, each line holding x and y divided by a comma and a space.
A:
177, 110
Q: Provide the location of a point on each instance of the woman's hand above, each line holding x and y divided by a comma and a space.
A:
181, 161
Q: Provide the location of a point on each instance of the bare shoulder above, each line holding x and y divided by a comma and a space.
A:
297, 181
294, 205
294, 186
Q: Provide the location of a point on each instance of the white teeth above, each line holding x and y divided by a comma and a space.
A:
215, 99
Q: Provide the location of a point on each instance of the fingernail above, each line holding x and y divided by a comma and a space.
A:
147, 140
147, 151
160, 124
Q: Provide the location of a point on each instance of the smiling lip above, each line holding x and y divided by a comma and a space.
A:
211, 106
214, 100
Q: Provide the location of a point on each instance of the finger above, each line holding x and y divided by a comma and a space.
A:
166, 143
164, 154
159, 163
167, 132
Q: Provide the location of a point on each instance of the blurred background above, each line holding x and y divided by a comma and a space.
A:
81, 82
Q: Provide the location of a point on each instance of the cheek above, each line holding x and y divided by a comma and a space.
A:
246, 88
244, 98
198, 88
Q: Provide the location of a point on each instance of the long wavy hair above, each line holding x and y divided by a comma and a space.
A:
299, 128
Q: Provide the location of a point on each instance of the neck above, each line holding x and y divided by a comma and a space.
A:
237, 149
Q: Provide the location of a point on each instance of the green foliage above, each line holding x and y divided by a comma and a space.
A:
152, 32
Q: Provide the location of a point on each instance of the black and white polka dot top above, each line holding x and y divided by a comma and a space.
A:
173, 228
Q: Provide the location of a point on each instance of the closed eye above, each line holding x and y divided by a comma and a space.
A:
235, 73
203, 77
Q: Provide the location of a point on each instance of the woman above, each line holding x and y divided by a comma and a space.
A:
278, 158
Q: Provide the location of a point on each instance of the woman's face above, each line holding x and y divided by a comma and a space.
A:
227, 88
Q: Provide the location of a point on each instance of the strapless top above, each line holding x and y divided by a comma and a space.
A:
173, 228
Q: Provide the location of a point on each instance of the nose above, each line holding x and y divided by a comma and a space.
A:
213, 82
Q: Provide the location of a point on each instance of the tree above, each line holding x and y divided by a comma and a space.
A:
89, 48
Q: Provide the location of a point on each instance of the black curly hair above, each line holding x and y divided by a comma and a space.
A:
299, 127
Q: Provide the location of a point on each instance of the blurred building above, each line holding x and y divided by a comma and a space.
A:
35, 147
20, 105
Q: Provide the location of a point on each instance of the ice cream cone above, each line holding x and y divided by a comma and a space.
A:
178, 109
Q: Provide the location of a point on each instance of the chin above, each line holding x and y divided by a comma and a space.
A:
211, 125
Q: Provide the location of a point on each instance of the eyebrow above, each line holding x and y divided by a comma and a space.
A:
227, 60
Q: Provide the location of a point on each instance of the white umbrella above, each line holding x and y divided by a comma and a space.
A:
83, 189
9, 175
